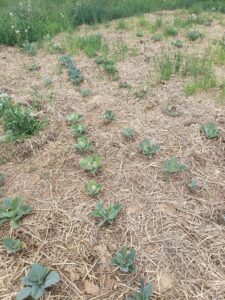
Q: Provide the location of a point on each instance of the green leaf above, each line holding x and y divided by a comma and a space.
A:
210, 130
37, 292
125, 260
148, 149
106, 215
128, 133
109, 116
51, 279
38, 273
91, 164
83, 144
78, 129
93, 188
172, 166
12, 246
24, 293
74, 118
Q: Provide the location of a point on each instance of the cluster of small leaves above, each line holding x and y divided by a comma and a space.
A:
194, 35
13, 211
13, 245
177, 43
93, 188
30, 48
173, 166
125, 260
128, 133
83, 144
74, 118
145, 292
148, 149
109, 116
75, 74
78, 129
106, 215
38, 279
171, 31
210, 130
85, 92
110, 68
156, 37
91, 163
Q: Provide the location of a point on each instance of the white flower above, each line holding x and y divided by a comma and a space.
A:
11, 14
17, 31
12, 27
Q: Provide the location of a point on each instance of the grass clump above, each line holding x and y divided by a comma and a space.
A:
171, 31
125, 260
91, 44
122, 25
210, 130
204, 83
18, 122
75, 74
106, 215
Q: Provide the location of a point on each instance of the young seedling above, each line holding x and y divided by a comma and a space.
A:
91, 164
83, 144
124, 85
85, 92
145, 292
194, 35
110, 67
93, 188
38, 279
12, 246
210, 130
148, 149
193, 185
125, 260
156, 37
75, 74
109, 116
106, 215
128, 133
173, 166
99, 60
13, 211
78, 129
74, 118
140, 34
171, 31
177, 43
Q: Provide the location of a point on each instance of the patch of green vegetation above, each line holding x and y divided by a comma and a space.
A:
74, 118
194, 35
177, 43
148, 149
13, 210
78, 129
171, 31
91, 163
173, 166
93, 188
106, 215
30, 48
145, 292
12, 246
84, 144
110, 67
143, 22
109, 116
125, 260
122, 25
157, 25
85, 92
210, 130
218, 53
90, 44
140, 34
75, 74
204, 83
38, 279
18, 122
156, 37
128, 133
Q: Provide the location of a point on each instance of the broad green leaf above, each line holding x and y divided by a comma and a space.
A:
38, 273
12, 246
51, 279
210, 130
24, 293
37, 292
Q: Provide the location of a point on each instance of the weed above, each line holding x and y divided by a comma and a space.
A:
218, 54
47, 81
5, 103
75, 74
203, 84
122, 25
145, 292
120, 49
210, 130
109, 116
140, 94
124, 85
143, 22
74, 118
30, 48
140, 34
93, 188
165, 66
33, 67
177, 43
110, 68
78, 129
13, 211
12, 246
125, 260
194, 35
148, 149
193, 185
128, 133
106, 215
99, 60
157, 25
91, 163
83, 144
38, 279
173, 166
91, 44
171, 31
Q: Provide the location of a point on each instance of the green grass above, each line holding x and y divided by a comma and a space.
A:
22, 21
201, 84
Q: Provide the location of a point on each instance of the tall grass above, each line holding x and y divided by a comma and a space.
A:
31, 19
